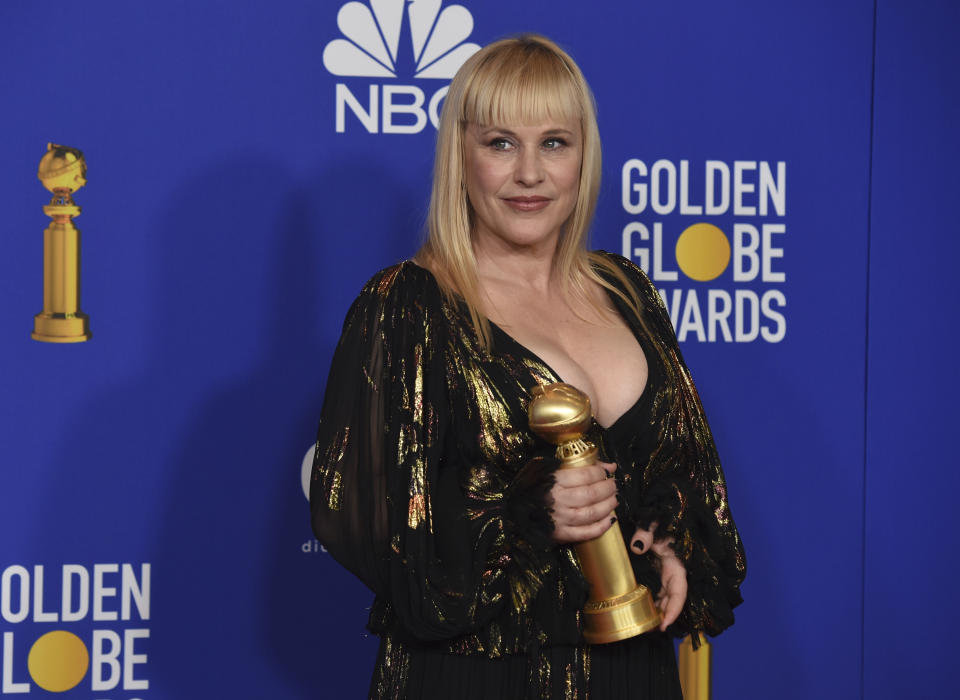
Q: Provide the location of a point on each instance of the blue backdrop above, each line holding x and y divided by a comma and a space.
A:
247, 173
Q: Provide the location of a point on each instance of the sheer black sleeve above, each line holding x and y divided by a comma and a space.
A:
386, 497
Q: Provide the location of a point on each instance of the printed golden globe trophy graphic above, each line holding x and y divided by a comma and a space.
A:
618, 607
63, 171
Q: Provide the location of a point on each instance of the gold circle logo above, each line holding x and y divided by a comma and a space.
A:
58, 661
703, 252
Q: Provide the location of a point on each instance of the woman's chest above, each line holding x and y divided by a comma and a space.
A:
604, 360
489, 392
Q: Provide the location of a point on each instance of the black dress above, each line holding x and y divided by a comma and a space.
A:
429, 486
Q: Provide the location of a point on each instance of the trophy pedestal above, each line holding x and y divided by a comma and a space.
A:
611, 620
51, 327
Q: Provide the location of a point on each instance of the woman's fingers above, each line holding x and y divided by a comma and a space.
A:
673, 594
578, 524
583, 496
584, 500
592, 513
670, 608
583, 486
582, 533
642, 540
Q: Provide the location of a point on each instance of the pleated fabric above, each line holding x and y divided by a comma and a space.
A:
642, 668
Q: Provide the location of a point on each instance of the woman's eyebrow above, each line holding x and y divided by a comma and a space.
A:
485, 131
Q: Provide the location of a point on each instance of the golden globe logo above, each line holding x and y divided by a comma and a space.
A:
754, 192
375, 45
58, 660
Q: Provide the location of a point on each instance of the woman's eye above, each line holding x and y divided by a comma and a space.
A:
500, 144
553, 144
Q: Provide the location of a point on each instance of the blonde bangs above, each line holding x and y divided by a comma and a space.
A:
522, 85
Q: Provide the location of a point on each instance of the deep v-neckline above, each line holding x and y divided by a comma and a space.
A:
634, 330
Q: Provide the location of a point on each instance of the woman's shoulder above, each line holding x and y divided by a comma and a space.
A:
626, 275
400, 284
399, 295
626, 265
610, 264
400, 280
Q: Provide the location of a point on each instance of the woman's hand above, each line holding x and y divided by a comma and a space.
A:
673, 574
583, 502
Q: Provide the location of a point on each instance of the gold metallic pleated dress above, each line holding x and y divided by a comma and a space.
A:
430, 487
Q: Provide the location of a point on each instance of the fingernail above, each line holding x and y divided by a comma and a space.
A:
609, 474
638, 544
613, 520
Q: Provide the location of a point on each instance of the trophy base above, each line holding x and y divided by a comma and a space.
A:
612, 620
49, 327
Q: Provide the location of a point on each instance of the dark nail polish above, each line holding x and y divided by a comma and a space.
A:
638, 544
613, 520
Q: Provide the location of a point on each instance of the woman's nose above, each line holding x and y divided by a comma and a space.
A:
529, 167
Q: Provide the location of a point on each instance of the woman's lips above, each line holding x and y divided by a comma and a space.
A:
527, 203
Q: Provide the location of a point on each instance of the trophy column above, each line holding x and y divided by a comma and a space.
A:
62, 171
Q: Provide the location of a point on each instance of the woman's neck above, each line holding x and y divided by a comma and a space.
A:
527, 267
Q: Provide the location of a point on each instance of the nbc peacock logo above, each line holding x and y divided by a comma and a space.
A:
390, 40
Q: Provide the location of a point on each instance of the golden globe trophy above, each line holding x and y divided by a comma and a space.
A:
62, 171
618, 607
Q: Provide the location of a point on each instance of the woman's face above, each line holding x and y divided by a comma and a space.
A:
522, 181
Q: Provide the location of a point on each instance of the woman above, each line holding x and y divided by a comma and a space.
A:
428, 483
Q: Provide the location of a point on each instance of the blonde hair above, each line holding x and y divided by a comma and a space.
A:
521, 80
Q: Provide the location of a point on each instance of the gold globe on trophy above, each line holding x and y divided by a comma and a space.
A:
618, 607
62, 171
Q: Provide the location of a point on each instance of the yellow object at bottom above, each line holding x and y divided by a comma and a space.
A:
695, 669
